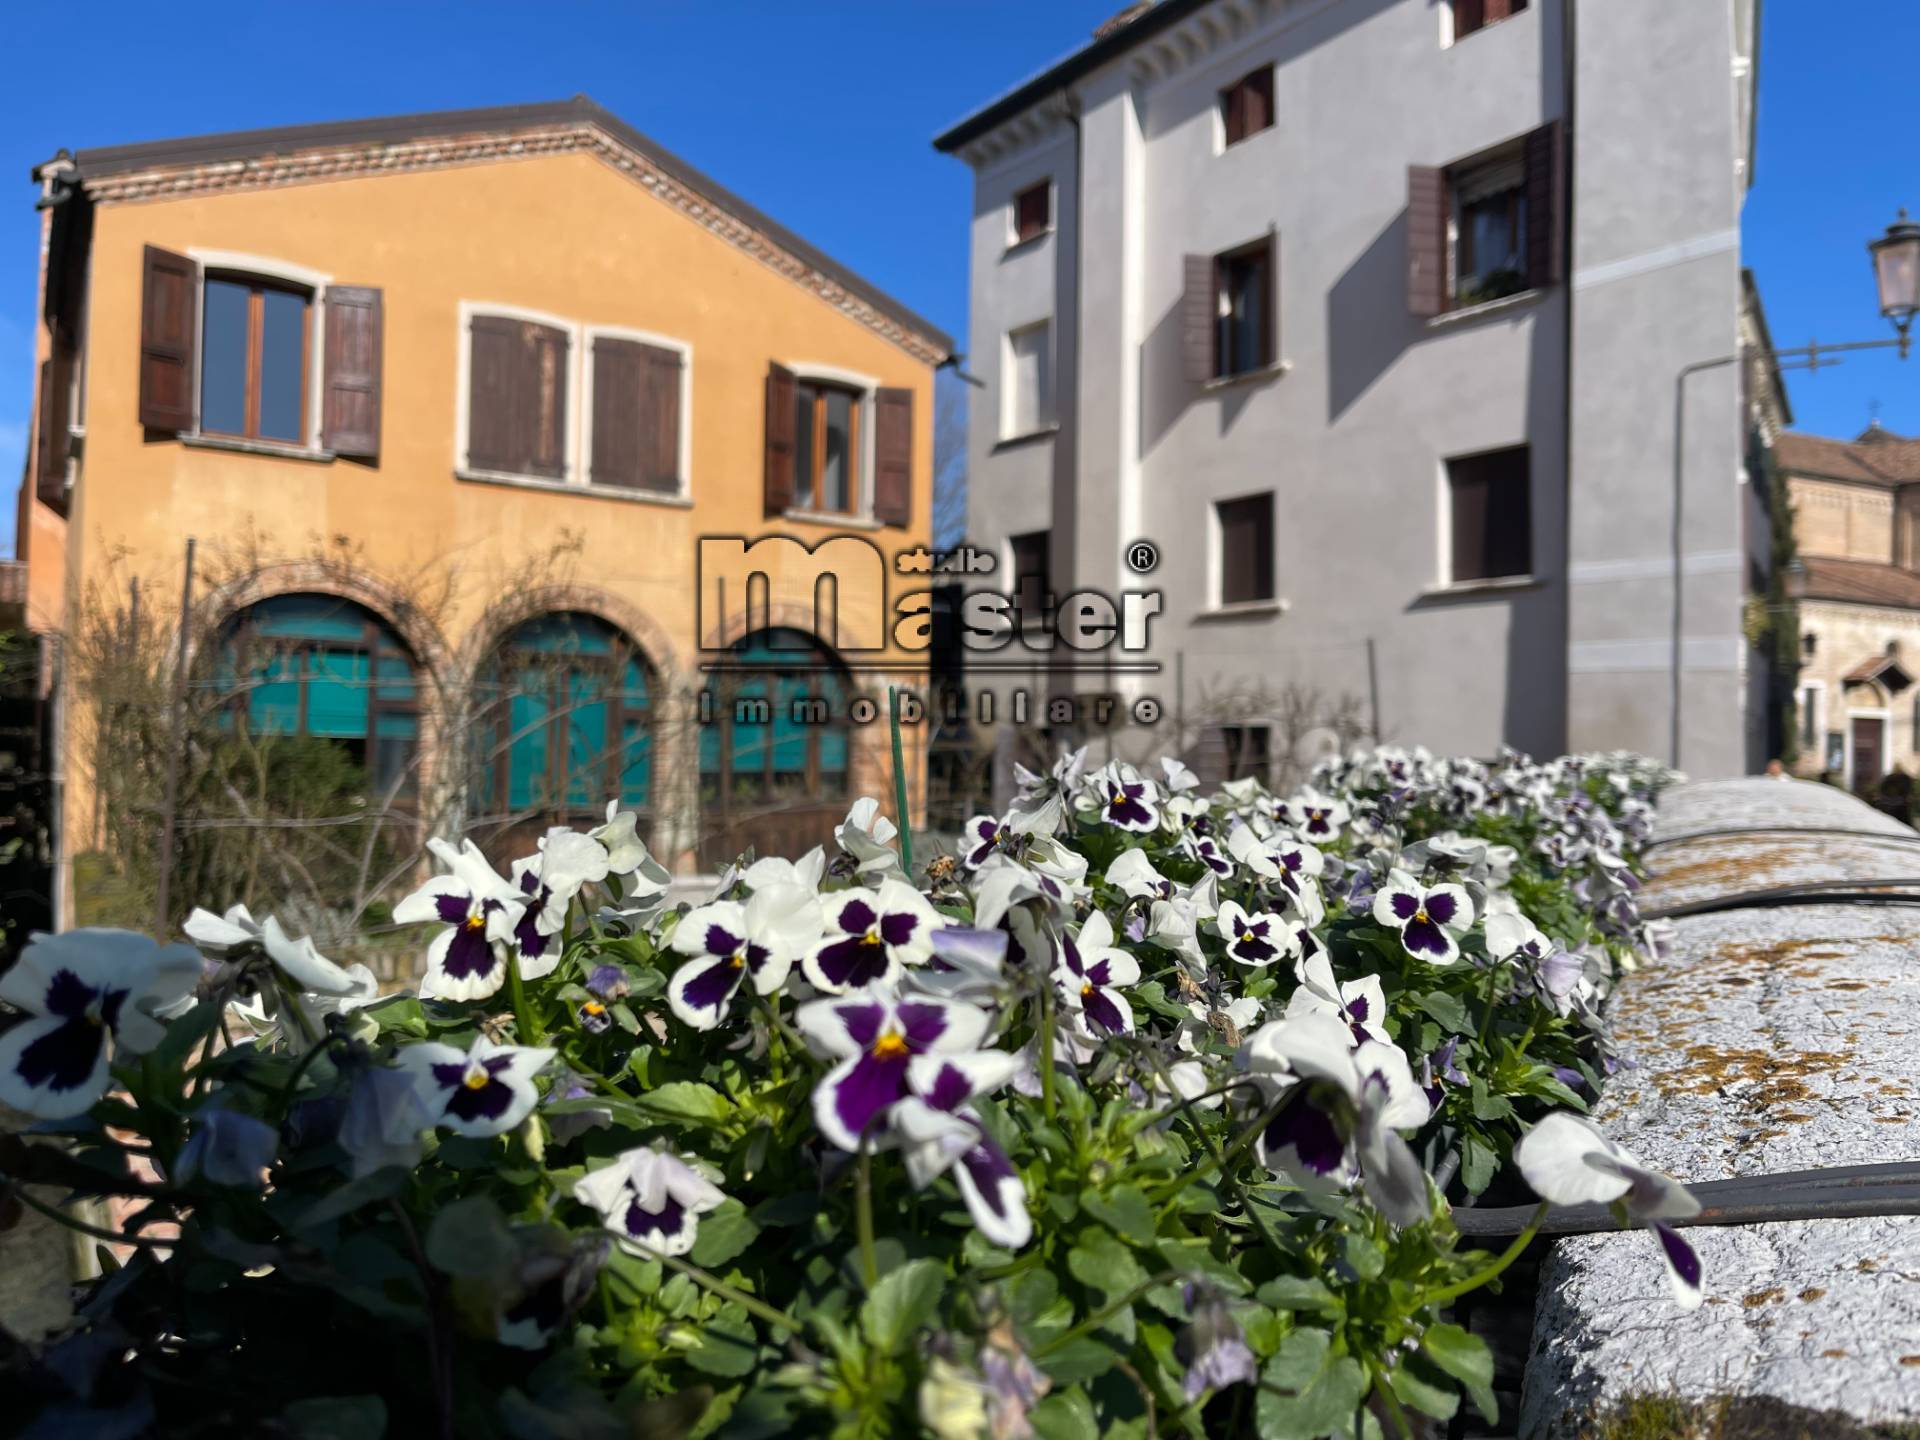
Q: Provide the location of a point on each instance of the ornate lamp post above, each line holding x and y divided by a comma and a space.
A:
1896, 265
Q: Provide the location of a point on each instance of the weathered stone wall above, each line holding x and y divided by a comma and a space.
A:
1767, 1040
1849, 522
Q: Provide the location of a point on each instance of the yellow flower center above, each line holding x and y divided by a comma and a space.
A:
594, 1007
476, 921
1086, 990
476, 1078
872, 937
739, 960
890, 1046
1420, 916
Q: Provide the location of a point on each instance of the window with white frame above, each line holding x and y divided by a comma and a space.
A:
1808, 705
1027, 398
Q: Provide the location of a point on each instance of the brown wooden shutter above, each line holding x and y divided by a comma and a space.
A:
782, 419
1546, 206
492, 394
893, 457
1199, 319
56, 386
660, 410
168, 295
1259, 101
1234, 121
618, 367
1270, 316
542, 411
1426, 240
1496, 10
350, 412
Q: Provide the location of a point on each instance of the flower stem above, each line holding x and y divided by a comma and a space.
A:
1492, 1272
1493, 992
709, 1281
293, 1081
1046, 1048
526, 1024
863, 1216
1100, 1316
901, 815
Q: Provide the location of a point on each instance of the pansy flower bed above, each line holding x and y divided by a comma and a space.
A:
1141, 1114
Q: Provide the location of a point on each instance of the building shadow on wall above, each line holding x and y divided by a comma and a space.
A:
1368, 324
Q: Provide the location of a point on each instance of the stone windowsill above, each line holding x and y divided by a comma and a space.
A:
241, 445
1244, 610
1250, 377
1483, 589
1025, 438
1487, 309
568, 487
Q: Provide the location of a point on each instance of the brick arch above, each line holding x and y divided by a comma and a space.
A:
777, 614
649, 637
312, 577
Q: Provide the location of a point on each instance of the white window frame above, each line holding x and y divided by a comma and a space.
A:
1216, 555
571, 474
1014, 242
284, 272
1811, 698
865, 385
1009, 394
684, 464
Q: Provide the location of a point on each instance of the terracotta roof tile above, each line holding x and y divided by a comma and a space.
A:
1888, 460
1864, 582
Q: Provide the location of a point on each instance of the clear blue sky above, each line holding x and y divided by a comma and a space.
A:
747, 89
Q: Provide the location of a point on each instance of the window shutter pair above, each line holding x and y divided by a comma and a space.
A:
892, 449
169, 306
636, 415
1428, 198
1200, 358
516, 397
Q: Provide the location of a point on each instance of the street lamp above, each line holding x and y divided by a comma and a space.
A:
1896, 265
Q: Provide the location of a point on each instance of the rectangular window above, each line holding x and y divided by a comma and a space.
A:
517, 414
1028, 581
1490, 510
1243, 306
1032, 212
1248, 751
1029, 388
1472, 15
1488, 231
637, 420
827, 448
1246, 549
253, 367
1246, 106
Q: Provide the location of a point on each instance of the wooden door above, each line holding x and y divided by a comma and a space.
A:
1869, 733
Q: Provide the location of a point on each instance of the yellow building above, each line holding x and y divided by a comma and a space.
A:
438, 395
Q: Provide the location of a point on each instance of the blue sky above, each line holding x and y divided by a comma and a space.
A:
748, 89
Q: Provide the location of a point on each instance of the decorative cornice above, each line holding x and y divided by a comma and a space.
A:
444, 152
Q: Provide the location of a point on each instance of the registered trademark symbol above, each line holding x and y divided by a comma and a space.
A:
1142, 557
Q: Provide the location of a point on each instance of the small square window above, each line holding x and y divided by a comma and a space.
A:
1246, 106
1028, 581
1248, 751
1472, 15
1490, 512
1246, 549
1032, 212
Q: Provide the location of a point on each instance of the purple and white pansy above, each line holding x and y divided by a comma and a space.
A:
867, 836
481, 912
486, 1090
1124, 798
1345, 1110
1360, 1004
1090, 976
1426, 917
732, 943
985, 837
652, 1200
1256, 938
938, 1130
1133, 875
1318, 818
1569, 1162
86, 994
566, 863
869, 935
872, 1038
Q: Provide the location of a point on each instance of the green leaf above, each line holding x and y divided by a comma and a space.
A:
470, 1237
1466, 1358
1103, 1264
337, 1417
1476, 1163
1124, 1210
169, 1057
1077, 1360
903, 1302
723, 1235
1325, 1389
1363, 1257
1428, 1396
727, 1345
689, 1102
1066, 1416
1448, 1009
1290, 1292
1487, 1106
387, 1181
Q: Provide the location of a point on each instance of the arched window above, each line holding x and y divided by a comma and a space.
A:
565, 722
777, 723
321, 666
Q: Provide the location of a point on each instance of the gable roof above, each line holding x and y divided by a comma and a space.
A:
1859, 582
286, 154
1886, 460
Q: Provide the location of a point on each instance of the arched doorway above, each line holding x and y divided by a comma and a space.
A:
319, 667
775, 750
564, 709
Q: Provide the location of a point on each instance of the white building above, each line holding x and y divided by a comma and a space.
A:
1375, 317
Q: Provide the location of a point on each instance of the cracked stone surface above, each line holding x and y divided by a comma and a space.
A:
1767, 1040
